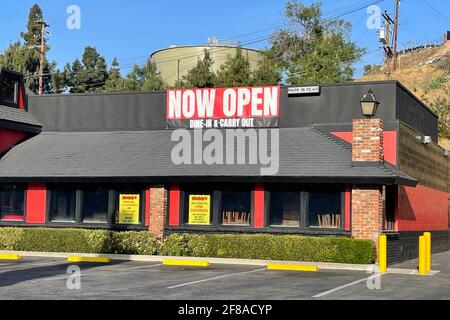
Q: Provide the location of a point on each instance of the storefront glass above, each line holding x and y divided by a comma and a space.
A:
325, 209
95, 206
284, 209
235, 207
12, 201
62, 205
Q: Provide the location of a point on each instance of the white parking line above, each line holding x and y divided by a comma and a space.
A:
347, 285
214, 278
83, 274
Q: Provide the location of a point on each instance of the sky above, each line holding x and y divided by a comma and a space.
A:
131, 30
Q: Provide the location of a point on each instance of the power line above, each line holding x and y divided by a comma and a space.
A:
437, 12
252, 41
295, 74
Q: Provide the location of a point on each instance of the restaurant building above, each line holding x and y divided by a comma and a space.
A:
312, 162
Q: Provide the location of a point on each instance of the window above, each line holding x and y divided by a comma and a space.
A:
62, 205
284, 209
219, 205
324, 209
198, 207
295, 206
119, 205
95, 205
389, 207
12, 201
8, 89
235, 207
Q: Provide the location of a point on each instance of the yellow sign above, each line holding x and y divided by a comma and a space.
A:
199, 209
129, 208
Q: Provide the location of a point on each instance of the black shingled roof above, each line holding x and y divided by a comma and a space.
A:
18, 116
306, 155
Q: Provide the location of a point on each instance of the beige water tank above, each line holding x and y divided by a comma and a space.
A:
175, 62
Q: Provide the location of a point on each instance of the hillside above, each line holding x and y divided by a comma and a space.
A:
424, 71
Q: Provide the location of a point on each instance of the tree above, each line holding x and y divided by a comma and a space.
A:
235, 72
115, 81
75, 79
24, 57
33, 35
146, 78
150, 80
200, 76
314, 50
268, 71
94, 73
441, 106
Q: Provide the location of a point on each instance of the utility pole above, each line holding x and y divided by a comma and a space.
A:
385, 39
395, 56
44, 26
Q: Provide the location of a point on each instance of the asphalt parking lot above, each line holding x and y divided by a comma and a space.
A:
44, 278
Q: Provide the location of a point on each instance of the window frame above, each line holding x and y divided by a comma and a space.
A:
219, 206
6, 102
109, 210
341, 204
304, 191
49, 201
24, 215
216, 204
113, 193
283, 188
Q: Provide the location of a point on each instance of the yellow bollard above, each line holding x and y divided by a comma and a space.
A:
422, 256
427, 236
382, 253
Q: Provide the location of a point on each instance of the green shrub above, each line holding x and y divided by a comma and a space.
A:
135, 242
271, 247
240, 246
77, 240
177, 245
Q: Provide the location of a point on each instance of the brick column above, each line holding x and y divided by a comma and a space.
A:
367, 205
158, 205
367, 140
367, 212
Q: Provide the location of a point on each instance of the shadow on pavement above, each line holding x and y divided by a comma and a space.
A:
12, 277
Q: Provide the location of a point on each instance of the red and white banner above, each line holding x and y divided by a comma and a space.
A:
243, 107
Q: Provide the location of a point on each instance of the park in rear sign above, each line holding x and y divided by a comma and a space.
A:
244, 107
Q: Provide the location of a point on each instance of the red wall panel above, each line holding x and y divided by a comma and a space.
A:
348, 205
36, 203
422, 208
389, 143
8, 138
21, 102
258, 206
174, 205
147, 207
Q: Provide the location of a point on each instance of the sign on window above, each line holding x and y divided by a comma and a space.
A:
199, 209
129, 208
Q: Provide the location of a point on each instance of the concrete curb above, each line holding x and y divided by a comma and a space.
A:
248, 262
149, 258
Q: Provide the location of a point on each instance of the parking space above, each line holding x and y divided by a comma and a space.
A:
43, 278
